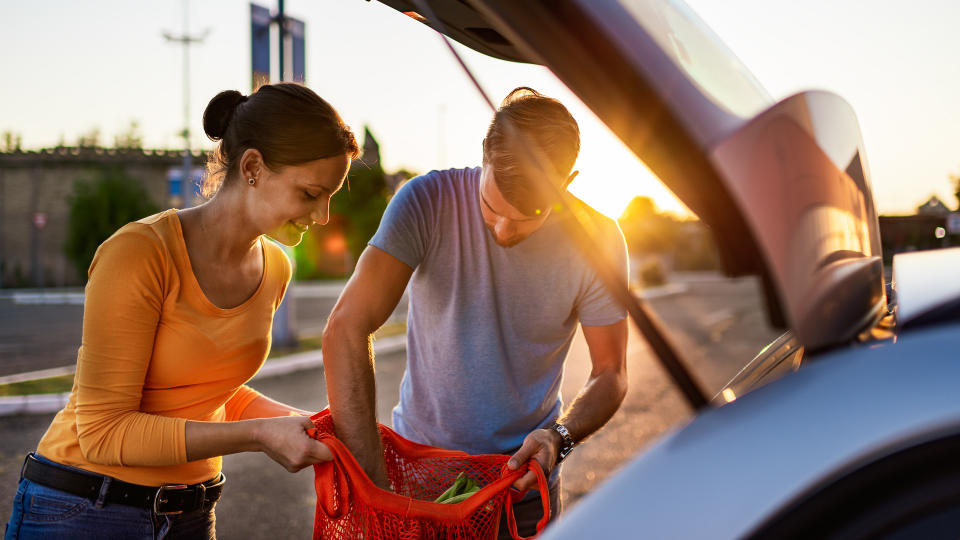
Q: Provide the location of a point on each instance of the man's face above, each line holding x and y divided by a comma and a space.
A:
508, 225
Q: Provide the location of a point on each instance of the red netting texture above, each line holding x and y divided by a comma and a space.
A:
351, 507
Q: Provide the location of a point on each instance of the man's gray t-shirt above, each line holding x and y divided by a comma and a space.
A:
488, 327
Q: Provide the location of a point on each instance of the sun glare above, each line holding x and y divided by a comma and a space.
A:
610, 183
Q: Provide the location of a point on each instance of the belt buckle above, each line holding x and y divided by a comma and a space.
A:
157, 500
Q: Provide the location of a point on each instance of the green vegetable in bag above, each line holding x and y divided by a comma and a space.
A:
462, 488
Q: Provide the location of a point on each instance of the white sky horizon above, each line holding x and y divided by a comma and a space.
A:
101, 64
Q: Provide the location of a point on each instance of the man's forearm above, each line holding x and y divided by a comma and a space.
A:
351, 391
592, 408
595, 404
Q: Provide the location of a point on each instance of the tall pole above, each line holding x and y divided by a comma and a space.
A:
284, 324
187, 157
186, 40
36, 251
282, 28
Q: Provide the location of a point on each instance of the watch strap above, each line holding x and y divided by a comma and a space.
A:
566, 441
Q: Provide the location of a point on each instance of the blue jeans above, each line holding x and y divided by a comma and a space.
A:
40, 512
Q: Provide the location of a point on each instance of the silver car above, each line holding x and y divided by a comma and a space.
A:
846, 426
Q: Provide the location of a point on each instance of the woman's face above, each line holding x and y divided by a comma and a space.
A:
297, 196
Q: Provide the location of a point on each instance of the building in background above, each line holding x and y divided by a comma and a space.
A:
929, 228
35, 189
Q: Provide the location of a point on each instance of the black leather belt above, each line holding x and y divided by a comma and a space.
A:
168, 499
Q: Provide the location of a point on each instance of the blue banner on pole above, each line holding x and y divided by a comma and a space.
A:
297, 30
185, 192
175, 182
260, 20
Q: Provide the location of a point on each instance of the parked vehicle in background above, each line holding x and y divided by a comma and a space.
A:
848, 424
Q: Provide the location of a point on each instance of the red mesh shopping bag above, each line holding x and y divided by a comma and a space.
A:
351, 507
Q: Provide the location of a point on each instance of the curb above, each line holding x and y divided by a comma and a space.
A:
75, 295
52, 298
49, 403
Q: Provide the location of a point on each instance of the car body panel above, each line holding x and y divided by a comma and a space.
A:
703, 81
731, 468
463, 23
780, 357
798, 170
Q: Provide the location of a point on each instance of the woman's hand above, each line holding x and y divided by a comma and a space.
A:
285, 440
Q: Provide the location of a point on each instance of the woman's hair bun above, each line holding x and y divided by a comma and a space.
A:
219, 112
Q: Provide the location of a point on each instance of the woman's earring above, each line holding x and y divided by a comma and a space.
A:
251, 181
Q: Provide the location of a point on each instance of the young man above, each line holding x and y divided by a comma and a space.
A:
497, 288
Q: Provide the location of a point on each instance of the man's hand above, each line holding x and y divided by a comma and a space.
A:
542, 445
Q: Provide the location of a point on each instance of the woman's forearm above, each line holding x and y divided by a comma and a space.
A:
284, 439
210, 439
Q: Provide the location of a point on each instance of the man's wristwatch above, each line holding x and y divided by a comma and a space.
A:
566, 441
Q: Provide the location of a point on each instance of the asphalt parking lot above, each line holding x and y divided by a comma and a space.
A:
719, 325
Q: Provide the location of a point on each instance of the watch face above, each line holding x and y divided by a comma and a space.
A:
567, 444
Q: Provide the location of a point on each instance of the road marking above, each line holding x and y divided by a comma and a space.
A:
40, 374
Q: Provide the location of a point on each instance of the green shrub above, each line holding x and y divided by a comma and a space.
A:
98, 207
355, 213
652, 274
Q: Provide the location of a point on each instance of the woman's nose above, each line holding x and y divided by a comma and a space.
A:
321, 215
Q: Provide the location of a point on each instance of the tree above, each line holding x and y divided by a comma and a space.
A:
639, 208
646, 230
131, 139
11, 141
98, 207
355, 213
90, 139
362, 202
687, 243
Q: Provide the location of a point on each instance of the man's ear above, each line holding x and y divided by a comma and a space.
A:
570, 178
251, 164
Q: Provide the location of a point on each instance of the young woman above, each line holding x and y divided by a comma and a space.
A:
177, 317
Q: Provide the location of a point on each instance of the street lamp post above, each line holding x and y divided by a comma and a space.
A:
282, 29
186, 40
284, 325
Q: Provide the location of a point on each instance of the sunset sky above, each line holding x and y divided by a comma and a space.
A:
74, 66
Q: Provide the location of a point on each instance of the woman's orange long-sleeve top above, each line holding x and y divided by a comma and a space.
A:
156, 353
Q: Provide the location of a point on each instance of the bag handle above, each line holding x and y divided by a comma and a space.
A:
333, 502
544, 489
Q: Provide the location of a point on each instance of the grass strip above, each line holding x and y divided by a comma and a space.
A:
51, 385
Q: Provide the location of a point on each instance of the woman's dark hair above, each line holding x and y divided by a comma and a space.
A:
287, 122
